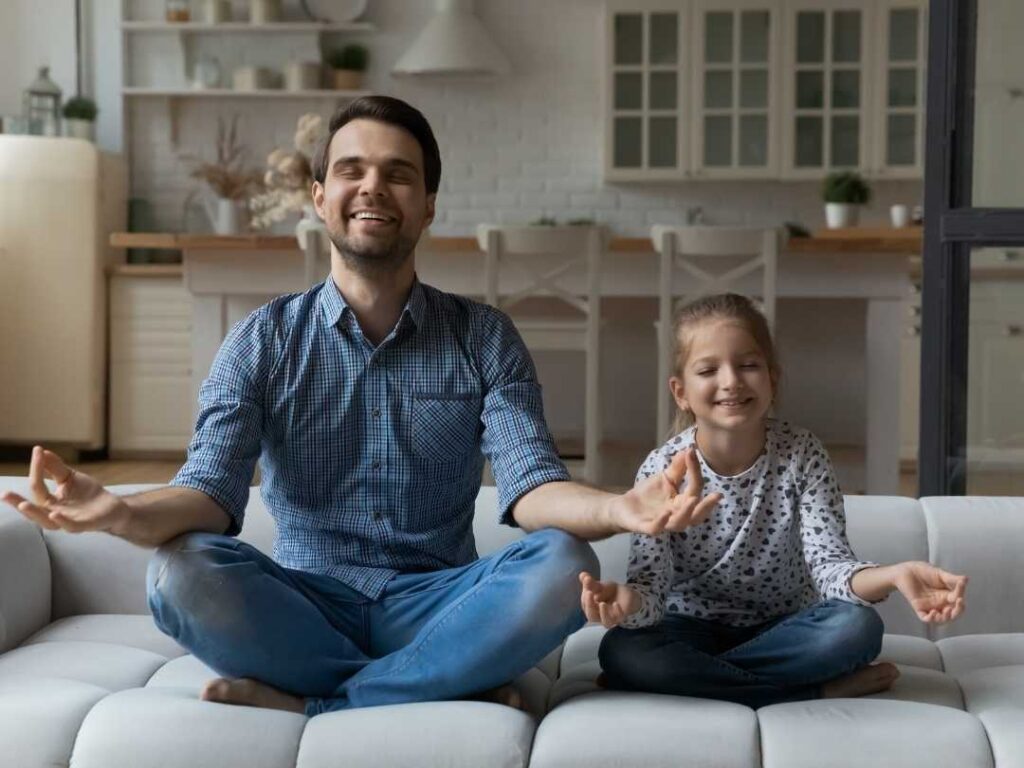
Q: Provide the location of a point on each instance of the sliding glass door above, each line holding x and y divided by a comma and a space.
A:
972, 346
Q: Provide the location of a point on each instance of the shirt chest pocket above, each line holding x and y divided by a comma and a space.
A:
446, 425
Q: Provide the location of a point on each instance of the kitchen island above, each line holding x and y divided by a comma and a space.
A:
866, 272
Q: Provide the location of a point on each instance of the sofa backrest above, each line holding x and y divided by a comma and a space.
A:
980, 536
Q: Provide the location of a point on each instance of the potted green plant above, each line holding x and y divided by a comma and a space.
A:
348, 65
843, 192
80, 118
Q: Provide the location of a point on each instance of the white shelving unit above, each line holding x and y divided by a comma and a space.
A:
228, 93
185, 34
245, 27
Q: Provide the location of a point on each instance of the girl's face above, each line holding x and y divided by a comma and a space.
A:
725, 381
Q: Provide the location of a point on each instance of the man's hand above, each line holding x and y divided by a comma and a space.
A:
656, 505
607, 601
936, 596
79, 504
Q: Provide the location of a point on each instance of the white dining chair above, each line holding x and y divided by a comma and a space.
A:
561, 263
701, 261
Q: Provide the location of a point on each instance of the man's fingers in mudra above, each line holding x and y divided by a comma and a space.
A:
37, 514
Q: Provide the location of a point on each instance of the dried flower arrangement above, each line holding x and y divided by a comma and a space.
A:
289, 178
227, 176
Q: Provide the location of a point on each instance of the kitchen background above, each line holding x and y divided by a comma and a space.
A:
527, 145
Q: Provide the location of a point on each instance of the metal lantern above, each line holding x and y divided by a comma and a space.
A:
41, 105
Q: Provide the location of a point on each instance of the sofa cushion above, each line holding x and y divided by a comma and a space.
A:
110, 666
911, 651
40, 718
888, 529
866, 732
993, 688
133, 630
455, 734
171, 728
925, 686
982, 537
617, 729
967, 652
1005, 728
25, 600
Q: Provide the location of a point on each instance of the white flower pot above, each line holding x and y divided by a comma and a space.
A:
77, 128
840, 215
227, 216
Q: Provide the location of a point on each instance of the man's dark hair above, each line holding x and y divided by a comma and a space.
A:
385, 109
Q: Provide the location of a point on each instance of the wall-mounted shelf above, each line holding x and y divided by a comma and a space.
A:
245, 27
220, 93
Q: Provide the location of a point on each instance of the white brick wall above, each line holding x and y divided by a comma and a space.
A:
513, 149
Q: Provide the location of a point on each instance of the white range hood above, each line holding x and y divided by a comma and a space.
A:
454, 43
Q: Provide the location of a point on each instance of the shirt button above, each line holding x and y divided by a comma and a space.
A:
376, 413
376, 515
376, 465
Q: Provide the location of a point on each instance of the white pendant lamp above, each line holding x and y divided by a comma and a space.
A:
454, 43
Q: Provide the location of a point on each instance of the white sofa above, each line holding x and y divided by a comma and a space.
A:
87, 681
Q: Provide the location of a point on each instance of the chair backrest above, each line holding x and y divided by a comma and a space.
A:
692, 252
524, 262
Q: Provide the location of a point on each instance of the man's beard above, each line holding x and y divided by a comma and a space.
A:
373, 258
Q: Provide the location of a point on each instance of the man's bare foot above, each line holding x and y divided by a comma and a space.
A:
508, 695
250, 693
873, 678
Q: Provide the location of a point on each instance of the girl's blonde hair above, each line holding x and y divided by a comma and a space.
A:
722, 306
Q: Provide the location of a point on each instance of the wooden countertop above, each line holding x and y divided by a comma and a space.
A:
903, 241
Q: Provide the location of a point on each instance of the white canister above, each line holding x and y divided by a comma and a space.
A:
264, 11
900, 215
302, 76
216, 11
249, 78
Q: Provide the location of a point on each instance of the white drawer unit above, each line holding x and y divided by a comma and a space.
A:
150, 365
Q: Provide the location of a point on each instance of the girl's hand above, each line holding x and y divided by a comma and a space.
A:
607, 601
656, 505
936, 596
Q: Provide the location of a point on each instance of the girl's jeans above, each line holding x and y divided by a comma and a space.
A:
436, 635
786, 659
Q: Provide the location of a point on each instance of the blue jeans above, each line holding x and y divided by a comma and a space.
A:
437, 635
786, 659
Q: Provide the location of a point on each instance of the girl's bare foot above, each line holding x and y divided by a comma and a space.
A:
873, 678
250, 693
508, 695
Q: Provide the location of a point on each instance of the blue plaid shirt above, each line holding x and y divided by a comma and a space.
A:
370, 457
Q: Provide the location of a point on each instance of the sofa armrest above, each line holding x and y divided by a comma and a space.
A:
24, 579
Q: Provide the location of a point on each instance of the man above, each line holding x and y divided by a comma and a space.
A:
370, 402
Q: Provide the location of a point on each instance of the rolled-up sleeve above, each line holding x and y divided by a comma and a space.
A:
516, 438
225, 446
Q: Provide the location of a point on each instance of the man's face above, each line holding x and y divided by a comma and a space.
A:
373, 199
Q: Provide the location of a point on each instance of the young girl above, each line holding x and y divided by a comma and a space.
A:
757, 598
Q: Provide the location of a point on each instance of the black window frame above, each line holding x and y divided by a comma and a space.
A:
952, 229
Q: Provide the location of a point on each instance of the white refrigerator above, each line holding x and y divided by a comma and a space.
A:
59, 200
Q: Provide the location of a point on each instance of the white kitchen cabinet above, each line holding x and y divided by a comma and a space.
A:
755, 89
736, 82
150, 365
646, 91
827, 87
898, 130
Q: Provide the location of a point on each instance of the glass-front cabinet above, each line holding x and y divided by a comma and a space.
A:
742, 89
735, 74
826, 89
900, 101
646, 112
